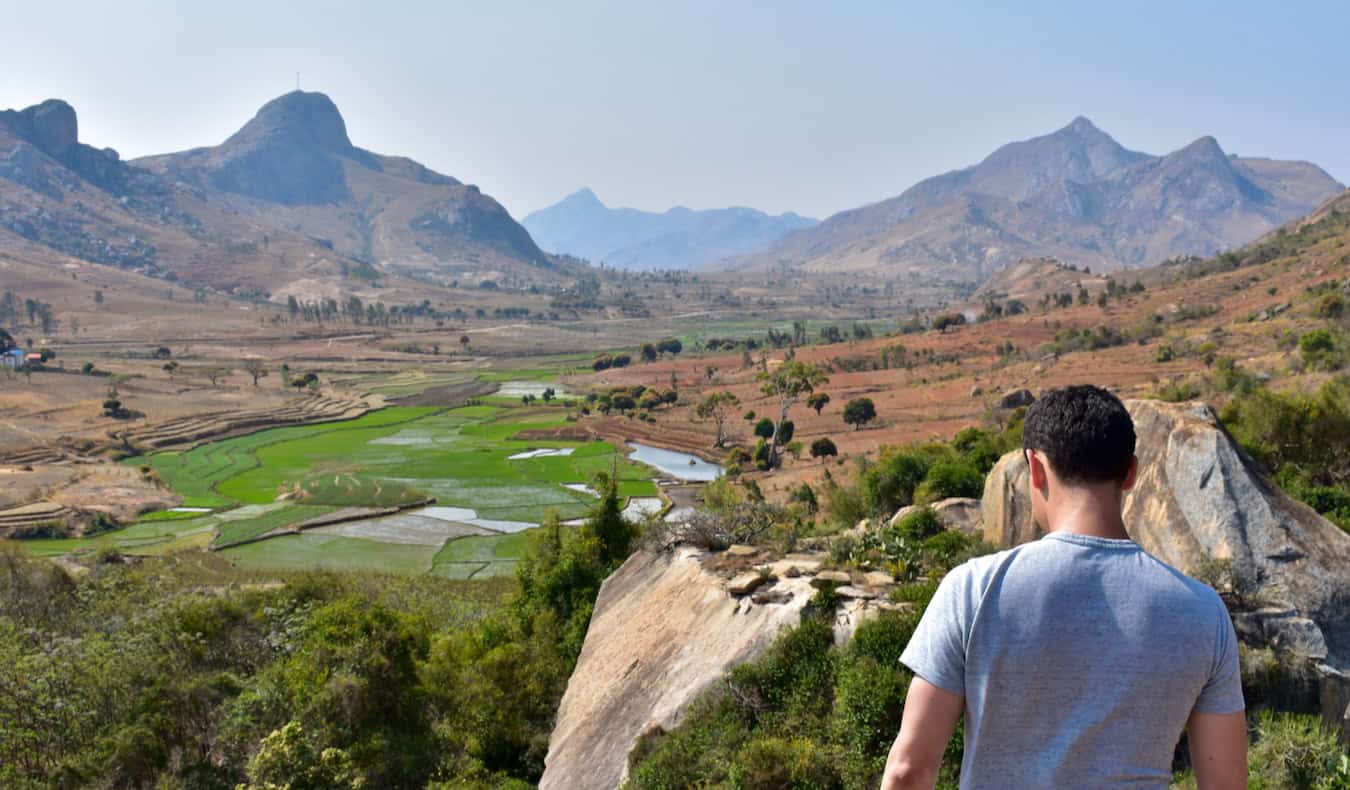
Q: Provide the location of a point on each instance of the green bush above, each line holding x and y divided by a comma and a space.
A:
1318, 349
1229, 377
1178, 391
889, 484
949, 479
1330, 305
772, 763
1303, 439
1296, 752
918, 525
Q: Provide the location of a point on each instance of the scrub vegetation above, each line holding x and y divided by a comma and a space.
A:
190, 672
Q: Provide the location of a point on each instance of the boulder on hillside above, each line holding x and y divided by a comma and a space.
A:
962, 514
1016, 399
666, 627
1198, 499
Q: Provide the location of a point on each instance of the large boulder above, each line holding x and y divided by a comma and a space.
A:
1007, 502
963, 514
666, 627
1015, 399
1198, 499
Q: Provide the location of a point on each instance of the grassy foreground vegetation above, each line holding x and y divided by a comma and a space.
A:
188, 673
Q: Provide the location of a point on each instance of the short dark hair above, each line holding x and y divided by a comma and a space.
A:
1084, 431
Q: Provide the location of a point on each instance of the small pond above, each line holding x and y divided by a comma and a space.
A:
517, 389
681, 466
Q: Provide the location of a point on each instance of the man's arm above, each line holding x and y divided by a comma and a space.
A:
1218, 750
929, 720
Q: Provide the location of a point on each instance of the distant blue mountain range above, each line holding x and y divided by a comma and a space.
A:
680, 238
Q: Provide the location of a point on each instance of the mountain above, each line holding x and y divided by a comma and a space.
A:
287, 199
680, 238
293, 165
1076, 195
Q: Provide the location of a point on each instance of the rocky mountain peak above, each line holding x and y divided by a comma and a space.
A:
51, 125
582, 198
1082, 125
310, 119
1205, 148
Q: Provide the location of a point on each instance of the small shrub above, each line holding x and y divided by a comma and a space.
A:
949, 479
1296, 751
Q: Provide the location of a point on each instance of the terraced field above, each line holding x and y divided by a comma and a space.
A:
154, 537
488, 487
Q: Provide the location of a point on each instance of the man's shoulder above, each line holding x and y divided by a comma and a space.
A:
977, 572
1178, 583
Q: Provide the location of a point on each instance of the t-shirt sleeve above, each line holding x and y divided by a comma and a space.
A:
937, 650
1223, 691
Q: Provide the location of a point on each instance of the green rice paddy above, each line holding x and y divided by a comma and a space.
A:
398, 456
310, 551
143, 537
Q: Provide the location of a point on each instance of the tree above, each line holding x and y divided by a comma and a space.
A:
606, 522
651, 399
1330, 306
670, 345
170, 368
859, 411
254, 368
549, 394
947, 320
764, 428
112, 405
788, 383
823, 448
717, 406
818, 401
216, 374
647, 352
288, 758
464, 342
624, 403
163, 352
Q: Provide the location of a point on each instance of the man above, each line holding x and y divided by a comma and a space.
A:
1078, 658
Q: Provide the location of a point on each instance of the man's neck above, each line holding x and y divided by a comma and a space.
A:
1090, 513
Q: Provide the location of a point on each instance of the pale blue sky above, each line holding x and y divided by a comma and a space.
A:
812, 107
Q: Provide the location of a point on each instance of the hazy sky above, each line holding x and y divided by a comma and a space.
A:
811, 107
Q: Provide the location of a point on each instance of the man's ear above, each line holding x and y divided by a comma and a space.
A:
1037, 468
1132, 475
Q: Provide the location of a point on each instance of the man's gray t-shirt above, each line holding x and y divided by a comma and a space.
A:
1080, 659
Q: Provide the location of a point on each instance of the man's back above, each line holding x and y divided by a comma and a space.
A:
1080, 659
